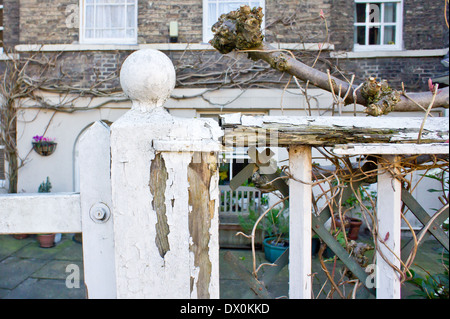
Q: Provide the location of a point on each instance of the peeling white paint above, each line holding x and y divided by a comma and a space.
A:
136, 138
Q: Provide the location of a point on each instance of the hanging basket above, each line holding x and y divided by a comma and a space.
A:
44, 148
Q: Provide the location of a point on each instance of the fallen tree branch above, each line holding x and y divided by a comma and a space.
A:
240, 30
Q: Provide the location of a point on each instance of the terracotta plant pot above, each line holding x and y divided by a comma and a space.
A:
355, 225
20, 236
46, 240
338, 222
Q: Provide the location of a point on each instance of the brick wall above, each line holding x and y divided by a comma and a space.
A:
154, 17
11, 22
341, 24
296, 21
286, 21
424, 25
44, 21
413, 72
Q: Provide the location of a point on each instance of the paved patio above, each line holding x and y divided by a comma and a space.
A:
30, 272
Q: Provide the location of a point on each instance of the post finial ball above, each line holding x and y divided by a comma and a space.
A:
147, 77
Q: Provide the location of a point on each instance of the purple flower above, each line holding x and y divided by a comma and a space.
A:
39, 139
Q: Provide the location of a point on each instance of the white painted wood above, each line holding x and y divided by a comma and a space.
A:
187, 146
384, 148
142, 271
97, 230
389, 232
325, 130
40, 213
387, 54
300, 166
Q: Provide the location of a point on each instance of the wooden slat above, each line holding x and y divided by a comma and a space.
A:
98, 235
318, 227
424, 218
384, 148
40, 213
258, 288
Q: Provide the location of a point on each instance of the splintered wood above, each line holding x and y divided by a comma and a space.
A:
328, 131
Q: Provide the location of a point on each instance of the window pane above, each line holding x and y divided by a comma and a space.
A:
130, 33
361, 35
374, 35
89, 16
374, 12
389, 35
212, 14
390, 12
117, 16
229, 6
131, 17
360, 12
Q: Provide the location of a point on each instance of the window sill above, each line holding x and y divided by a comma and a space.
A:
389, 54
157, 46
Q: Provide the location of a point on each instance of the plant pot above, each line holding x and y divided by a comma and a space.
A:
46, 240
77, 237
338, 223
355, 225
20, 236
44, 148
274, 251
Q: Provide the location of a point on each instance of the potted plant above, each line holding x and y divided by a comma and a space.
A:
276, 228
43, 145
45, 240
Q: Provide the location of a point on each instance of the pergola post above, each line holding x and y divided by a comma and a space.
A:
300, 196
389, 232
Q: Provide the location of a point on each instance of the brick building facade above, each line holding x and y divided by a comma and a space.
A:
398, 40
421, 23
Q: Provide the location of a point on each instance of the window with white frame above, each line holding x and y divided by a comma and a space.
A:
378, 25
213, 9
108, 21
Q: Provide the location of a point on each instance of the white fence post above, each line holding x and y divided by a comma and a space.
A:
389, 218
300, 197
164, 190
96, 219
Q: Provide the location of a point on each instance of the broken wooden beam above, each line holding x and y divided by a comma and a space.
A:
282, 131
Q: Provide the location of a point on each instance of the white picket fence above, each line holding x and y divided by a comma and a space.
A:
239, 201
149, 201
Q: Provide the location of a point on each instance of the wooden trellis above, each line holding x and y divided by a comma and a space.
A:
385, 137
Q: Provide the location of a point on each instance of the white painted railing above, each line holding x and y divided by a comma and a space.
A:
239, 201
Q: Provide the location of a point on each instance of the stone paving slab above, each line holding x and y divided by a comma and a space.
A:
14, 270
28, 271
10, 245
59, 269
34, 288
